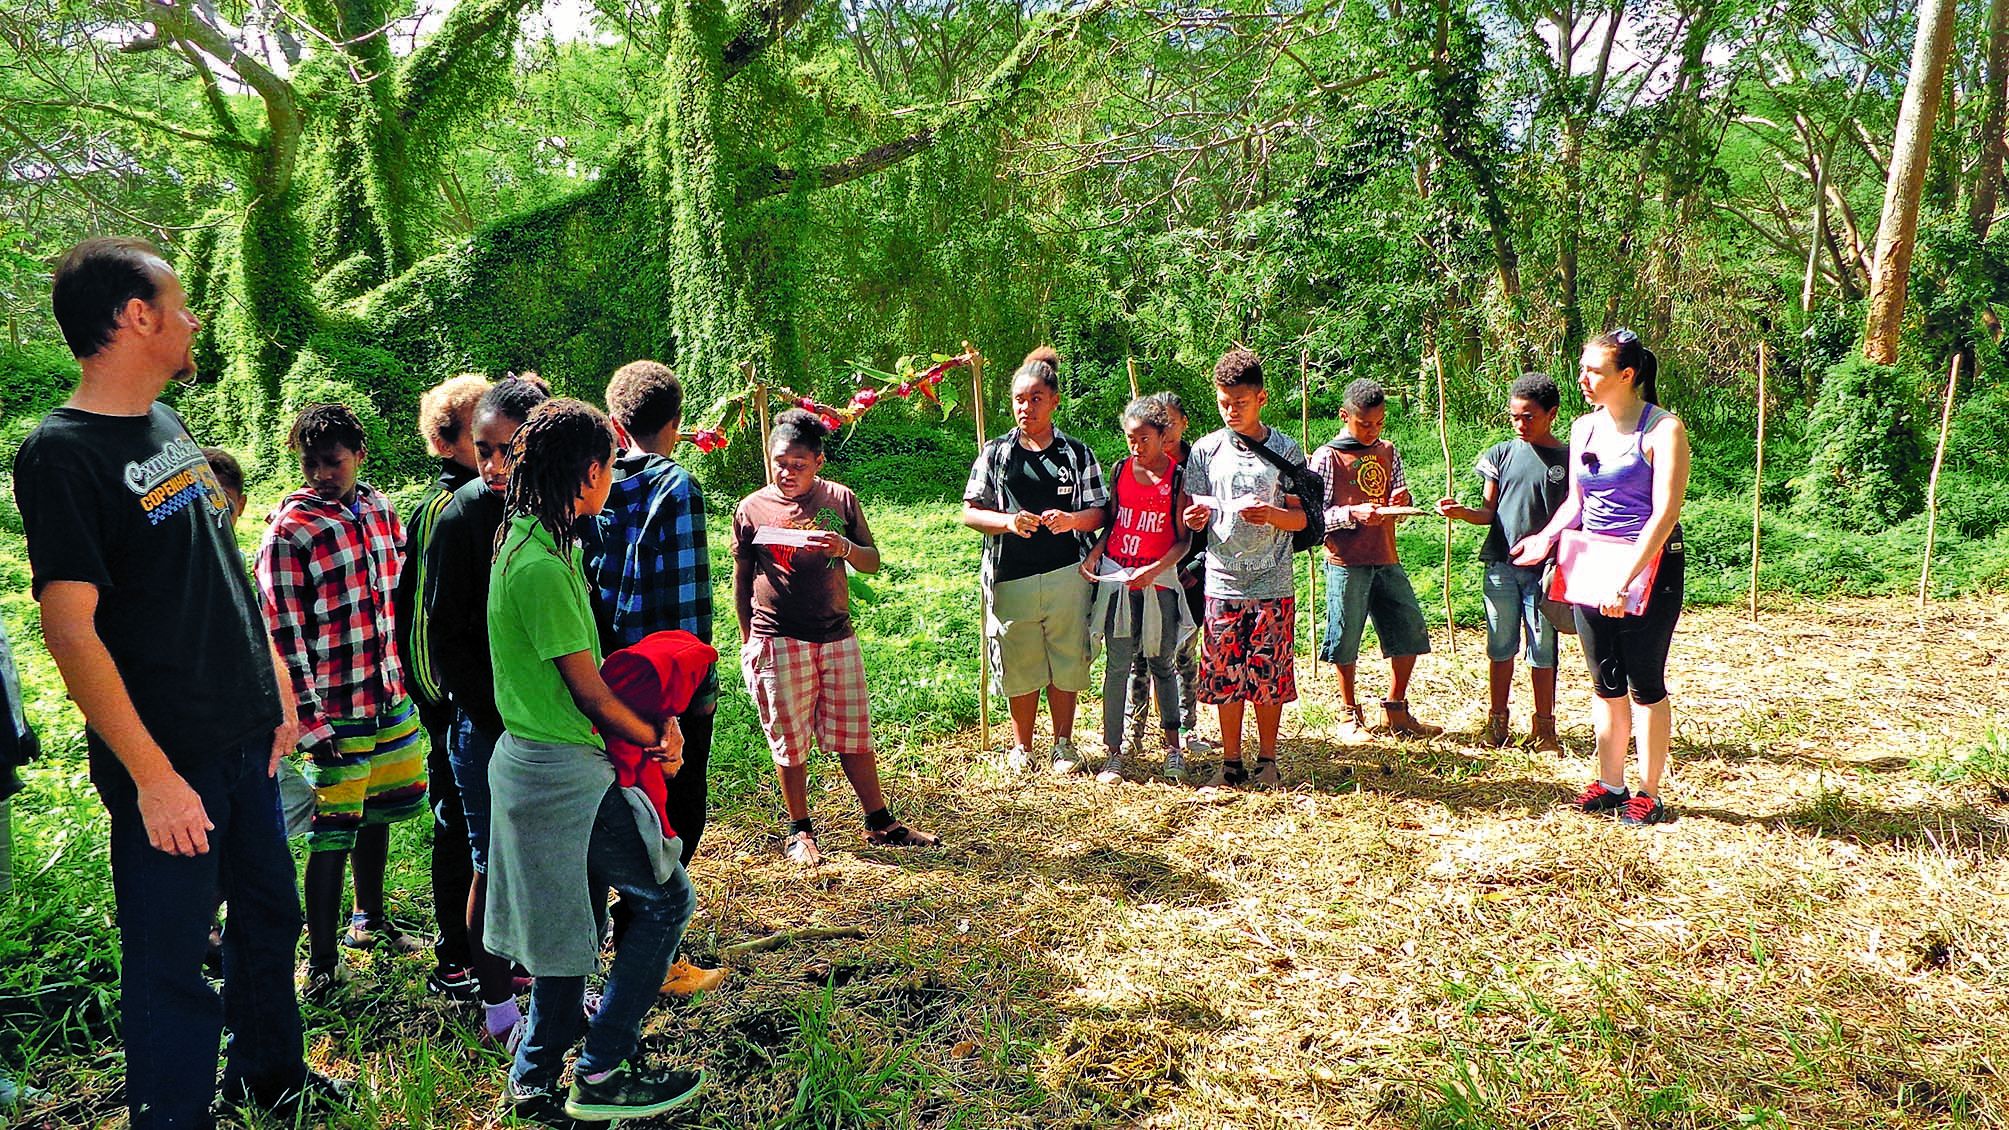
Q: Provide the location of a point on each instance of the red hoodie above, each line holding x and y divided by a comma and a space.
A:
656, 678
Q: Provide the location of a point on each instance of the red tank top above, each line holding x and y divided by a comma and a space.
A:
1143, 532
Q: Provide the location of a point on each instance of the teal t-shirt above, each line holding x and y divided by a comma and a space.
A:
537, 611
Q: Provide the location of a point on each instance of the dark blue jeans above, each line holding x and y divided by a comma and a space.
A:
659, 912
171, 1018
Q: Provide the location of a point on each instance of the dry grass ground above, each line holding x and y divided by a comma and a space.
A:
1409, 935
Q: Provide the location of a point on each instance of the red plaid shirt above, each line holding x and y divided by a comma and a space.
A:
326, 578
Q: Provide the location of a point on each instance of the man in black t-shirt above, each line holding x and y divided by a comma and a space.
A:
149, 614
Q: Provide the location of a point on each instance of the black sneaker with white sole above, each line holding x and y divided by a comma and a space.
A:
541, 1108
630, 1091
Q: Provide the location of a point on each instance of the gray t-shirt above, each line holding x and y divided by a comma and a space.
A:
1533, 482
1244, 561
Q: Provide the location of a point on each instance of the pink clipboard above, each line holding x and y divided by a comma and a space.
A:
1589, 567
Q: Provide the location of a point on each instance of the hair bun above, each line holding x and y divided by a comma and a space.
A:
1044, 355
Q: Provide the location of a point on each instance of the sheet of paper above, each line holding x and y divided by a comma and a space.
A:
1111, 572
782, 535
1227, 505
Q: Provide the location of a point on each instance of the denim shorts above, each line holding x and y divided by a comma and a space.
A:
469, 752
1356, 593
1514, 616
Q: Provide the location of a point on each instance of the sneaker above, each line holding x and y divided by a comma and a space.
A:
1112, 769
1265, 776
315, 1092
454, 982
366, 935
590, 1002
687, 980
1198, 746
1019, 759
318, 986
800, 849
632, 1092
542, 1108
1175, 764
1600, 799
1641, 810
1064, 760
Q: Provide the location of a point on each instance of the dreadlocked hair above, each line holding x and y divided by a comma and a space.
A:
549, 458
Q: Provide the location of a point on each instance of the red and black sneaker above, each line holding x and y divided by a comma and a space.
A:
1600, 799
1641, 810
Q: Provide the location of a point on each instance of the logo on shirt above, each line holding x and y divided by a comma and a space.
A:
173, 479
1557, 474
1371, 477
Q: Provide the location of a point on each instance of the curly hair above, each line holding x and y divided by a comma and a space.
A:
1364, 395
799, 428
321, 426
550, 457
1238, 368
446, 411
1538, 389
645, 397
514, 396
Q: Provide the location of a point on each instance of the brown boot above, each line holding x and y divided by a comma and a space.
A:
1396, 719
1543, 736
1497, 729
1352, 728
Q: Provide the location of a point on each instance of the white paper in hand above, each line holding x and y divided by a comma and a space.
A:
782, 535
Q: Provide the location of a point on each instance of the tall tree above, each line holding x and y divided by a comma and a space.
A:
1910, 154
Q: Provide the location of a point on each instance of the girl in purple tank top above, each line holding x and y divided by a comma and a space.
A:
1628, 473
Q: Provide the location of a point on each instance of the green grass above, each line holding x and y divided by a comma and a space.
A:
966, 1006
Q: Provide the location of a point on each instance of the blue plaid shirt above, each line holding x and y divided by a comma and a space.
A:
645, 555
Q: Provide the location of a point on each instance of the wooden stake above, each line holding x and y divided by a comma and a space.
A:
1758, 481
1932, 484
1131, 364
1311, 580
983, 615
760, 406
1450, 490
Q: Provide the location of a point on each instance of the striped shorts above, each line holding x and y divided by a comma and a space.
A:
373, 772
804, 690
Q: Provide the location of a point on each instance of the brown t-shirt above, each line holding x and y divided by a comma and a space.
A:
798, 594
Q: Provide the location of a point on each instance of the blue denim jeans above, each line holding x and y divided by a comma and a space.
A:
171, 1018
1514, 615
468, 754
658, 913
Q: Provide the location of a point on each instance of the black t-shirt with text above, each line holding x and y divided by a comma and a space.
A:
1038, 481
127, 503
1533, 482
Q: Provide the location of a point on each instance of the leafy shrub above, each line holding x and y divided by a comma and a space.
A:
1867, 467
1971, 505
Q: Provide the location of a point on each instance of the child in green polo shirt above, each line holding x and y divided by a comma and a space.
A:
560, 829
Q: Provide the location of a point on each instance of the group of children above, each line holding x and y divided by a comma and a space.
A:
535, 645
1182, 568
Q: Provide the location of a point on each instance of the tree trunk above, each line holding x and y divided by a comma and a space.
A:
1994, 118
1911, 151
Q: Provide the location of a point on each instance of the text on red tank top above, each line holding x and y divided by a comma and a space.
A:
1143, 532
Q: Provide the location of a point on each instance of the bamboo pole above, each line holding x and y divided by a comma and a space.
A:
1131, 364
1450, 489
1311, 573
1932, 484
983, 635
1758, 481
